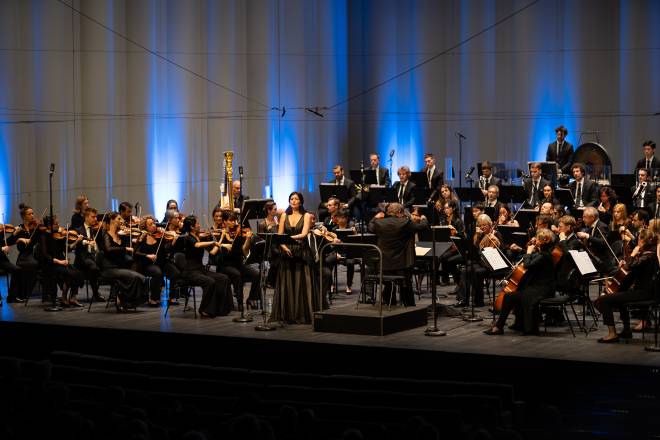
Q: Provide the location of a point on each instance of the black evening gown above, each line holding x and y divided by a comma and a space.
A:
114, 266
296, 292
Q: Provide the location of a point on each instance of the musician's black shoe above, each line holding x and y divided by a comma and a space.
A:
99, 298
608, 341
499, 331
626, 334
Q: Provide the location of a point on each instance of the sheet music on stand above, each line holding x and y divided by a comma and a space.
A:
583, 262
494, 259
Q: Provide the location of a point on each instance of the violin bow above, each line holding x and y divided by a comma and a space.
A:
161, 238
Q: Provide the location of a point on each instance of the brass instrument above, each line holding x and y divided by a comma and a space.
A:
227, 198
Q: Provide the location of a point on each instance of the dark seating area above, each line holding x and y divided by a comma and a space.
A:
83, 396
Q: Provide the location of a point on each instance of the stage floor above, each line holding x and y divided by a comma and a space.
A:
462, 337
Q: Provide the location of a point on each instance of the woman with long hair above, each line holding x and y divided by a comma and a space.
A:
25, 237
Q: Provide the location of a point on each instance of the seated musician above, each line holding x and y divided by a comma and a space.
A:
342, 221
404, 188
487, 179
491, 198
538, 283
447, 194
568, 276
639, 222
77, 218
233, 264
484, 236
340, 179
53, 249
451, 258
607, 201
639, 285
238, 196
549, 195
6, 265
25, 237
643, 192
170, 205
654, 208
332, 207
173, 247
594, 235
115, 262
534, 185
150, 258
86, 251
396, 234
584, 190
505, 216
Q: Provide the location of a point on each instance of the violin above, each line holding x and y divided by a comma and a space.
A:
65, 234
322, 231
7, 228
162, 234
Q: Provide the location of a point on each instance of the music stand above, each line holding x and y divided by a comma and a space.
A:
565, 197
526, 217
369, 176
419, 179
379, 194
442, 234
514, 194
328, 190
513, 234
469, 193
253, 209
421, 194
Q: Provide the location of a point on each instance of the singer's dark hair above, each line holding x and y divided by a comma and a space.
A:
562, 129
289, 211
650, 143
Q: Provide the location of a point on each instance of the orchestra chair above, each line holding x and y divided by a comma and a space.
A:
648, 310
559, 302
4, 274
112, 294
181, 285
370, 281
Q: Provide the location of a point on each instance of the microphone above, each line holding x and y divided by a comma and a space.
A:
240, 172
52, 168
459, 135
469, 173
392, 152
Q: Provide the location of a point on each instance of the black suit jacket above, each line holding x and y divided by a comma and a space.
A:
655, 163
384, 177
649, 196
352, 192
589, 191
565, 158
599, 247
408, 194
396, 240
437, 179
654, 210
81, 251
527, 185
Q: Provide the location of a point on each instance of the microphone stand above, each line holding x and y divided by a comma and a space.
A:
362, 201
53, 307
264, 327
460, 161
470, 269
433, 330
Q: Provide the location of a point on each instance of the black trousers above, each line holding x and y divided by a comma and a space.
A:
607, 303
477, 276
525, 304
67, 277
156, 282
90, 270
216, 291
239, 274
450, 260
22, 282
331, 261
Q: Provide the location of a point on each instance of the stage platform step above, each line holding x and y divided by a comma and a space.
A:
367, 320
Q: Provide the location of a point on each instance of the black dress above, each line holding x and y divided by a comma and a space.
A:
65, 276
23, 281
148, 268
296, 294
216, 290
114, 265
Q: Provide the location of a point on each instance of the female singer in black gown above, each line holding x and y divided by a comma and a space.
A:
25, 238
296, 294
216, 289
115, 262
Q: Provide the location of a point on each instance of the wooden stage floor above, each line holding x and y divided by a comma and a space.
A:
462, 337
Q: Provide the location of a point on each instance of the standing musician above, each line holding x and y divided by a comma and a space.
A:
77, 219
560, 151
434, 177
53, 248
484, 236
643, 192
451, 258
216, 287
269, 225
86, 251
487, 179
115, 261
585, 191
639, 286
538, 283
238, 196
594, 235
25, 237
534, 185
149, 257
654, 207
404, 188
396, 234
649, 161
382, 174
233, 262
340, 179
